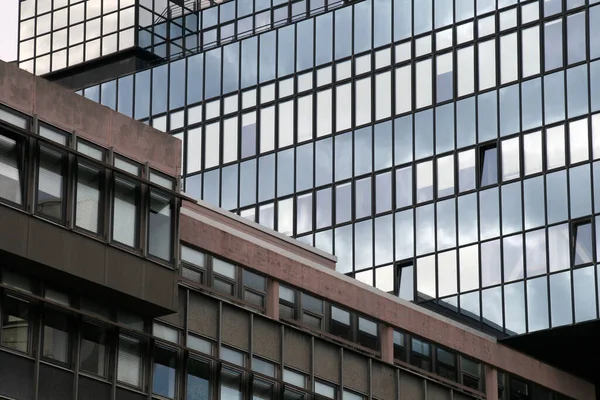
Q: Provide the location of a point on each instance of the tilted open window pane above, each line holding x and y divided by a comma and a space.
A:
10, 170
50, 191
582, 243
160, 226
125, 212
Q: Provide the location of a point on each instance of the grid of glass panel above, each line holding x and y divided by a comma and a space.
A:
55, 34
442, 150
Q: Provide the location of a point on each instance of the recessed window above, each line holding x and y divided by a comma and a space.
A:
263, 367
581, 242
164, 372
56, 337
51, 183
15, 324
129, 362
287, 303
88, 198
160, 226
198, 379
399, 346
125, 212
325, 389
255, 287
10, 170
312, 311
471, 373
420, 355
223, 276
488, 166
446, 364
368, 333
93, 351
340, 323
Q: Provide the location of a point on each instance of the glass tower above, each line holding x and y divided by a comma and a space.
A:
443, 150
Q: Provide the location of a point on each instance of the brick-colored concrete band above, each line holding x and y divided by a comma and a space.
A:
99, 124
325, 283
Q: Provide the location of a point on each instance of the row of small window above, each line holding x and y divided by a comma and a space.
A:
61, 19
249, 59
515, 388
291, 171
223, 277
75, 54
429, 132
539, 303
79, 8
443, 362
319, 315
528, 255
387, 238
58, 176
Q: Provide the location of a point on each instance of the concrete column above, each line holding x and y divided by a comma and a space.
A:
387, 343
491, 383
273, 299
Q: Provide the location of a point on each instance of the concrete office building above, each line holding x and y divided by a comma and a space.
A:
442, 150
114, 285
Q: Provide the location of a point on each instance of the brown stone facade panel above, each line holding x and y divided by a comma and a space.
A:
92, 121
342, 290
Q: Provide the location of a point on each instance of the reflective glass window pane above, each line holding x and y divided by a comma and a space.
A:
487, 113
577, 91
511, 208
584, 291
489, 224
580, 191
533, 196
514, 303
555, 147
425, 233
423, 134
532, 152
403, 140
491, 300
576, 43
465, 122
469, 268
447, 273
404, 242
535, 245
556, 196
530, 50
560, 299
446, 224
537, 304
559, 247
490, 263
487, 64
513, 257
426, 283
554, 97
467, 219
553, 37
531, 105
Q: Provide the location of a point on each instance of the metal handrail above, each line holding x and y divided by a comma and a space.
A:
192, 5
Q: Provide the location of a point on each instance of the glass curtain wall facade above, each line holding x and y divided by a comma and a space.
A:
443, 150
